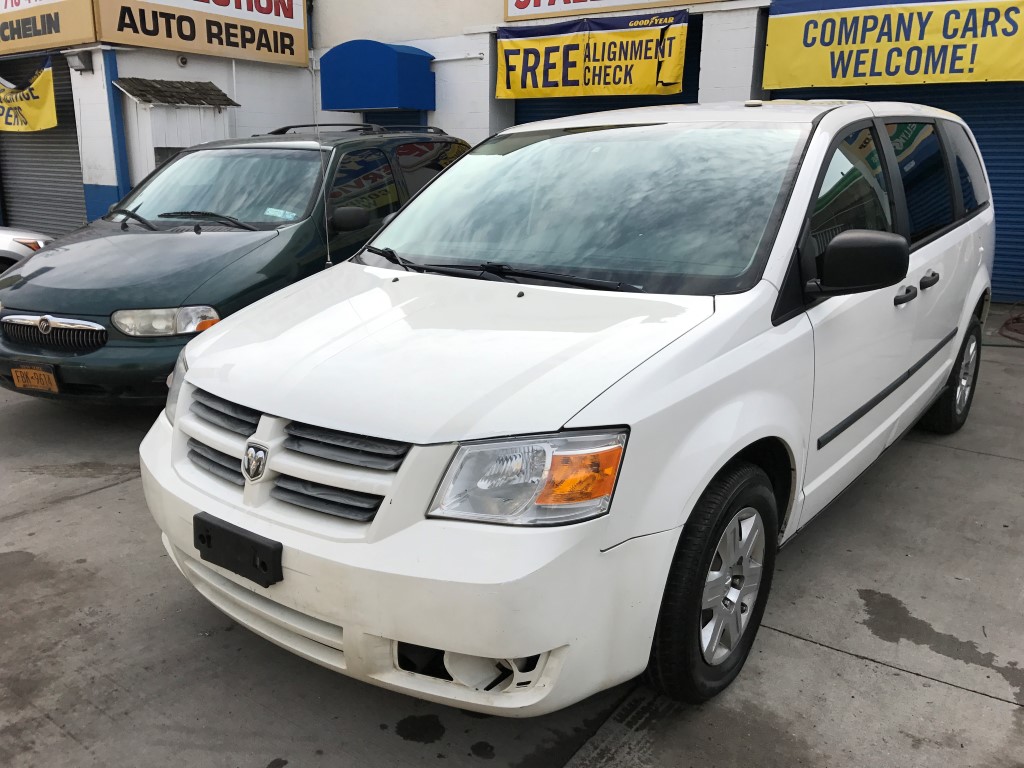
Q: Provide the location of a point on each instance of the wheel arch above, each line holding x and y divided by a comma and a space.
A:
776, 458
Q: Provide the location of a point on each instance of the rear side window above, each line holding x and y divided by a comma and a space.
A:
423, 160
925, 180
968, 167
854, 194
364, 179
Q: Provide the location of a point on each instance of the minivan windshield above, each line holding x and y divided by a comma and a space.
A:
670, 208
262, 187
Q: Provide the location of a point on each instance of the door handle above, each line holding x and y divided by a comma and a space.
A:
909, 293
929, 280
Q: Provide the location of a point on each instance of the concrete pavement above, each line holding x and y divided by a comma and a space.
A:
894, 636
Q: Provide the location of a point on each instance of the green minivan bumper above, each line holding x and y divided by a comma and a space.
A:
122, 372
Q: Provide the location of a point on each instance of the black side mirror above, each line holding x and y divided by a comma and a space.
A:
350, 219
860, 260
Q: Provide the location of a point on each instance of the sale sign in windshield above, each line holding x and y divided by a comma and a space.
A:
261, 30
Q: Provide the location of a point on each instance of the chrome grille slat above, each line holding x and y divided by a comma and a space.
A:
216, 463
345, 448
216, 410
62, 339
360, 507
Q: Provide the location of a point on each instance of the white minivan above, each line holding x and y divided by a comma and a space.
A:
549, 429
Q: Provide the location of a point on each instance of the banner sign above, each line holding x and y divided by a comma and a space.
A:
273, 31
33, 108
517, 10
622, 56
36, 25
869, 42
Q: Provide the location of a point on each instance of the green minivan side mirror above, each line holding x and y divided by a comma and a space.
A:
350, 218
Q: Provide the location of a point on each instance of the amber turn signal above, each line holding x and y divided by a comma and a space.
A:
578, 477
33, 245
205, 324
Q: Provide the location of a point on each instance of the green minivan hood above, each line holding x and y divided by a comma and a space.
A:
101, 268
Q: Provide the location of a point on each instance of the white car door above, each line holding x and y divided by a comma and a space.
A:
862, 342
942, 260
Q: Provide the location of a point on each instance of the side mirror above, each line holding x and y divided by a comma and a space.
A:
350, 219
860, 260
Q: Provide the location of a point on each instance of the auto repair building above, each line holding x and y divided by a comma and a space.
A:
133, 83
474, 67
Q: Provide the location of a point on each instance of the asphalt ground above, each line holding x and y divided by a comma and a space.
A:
894, 635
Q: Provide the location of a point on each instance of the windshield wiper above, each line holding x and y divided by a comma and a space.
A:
132, 215
506, 270
210, 215
394, 258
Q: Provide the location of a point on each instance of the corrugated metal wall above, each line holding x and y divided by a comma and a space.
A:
995, 112
41, 172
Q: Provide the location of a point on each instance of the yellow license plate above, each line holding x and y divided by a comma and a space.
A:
35, 377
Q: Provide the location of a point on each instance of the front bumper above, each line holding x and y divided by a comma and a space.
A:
119, 372
491, 592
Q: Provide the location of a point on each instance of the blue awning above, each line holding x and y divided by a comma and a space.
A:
363, 75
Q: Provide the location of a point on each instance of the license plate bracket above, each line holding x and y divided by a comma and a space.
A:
41, 378
243, 552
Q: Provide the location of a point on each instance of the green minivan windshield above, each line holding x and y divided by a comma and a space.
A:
686, 208
262, 187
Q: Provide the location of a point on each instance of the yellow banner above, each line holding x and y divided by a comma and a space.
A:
946, 42
38, 25
607, 57
273, 31
33, 108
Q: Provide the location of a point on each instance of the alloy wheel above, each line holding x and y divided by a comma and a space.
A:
965, 381
731, 587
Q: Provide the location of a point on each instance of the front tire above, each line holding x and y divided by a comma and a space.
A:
717, 586
951, 410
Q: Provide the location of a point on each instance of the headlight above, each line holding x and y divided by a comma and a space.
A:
174, 382
164, 322
547, 480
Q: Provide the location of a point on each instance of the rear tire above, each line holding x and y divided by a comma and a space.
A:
951, 410
736, 517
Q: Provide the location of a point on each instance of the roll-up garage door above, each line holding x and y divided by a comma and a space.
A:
530, 110
41, 172
995, 112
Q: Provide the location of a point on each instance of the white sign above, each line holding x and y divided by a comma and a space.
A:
517, 10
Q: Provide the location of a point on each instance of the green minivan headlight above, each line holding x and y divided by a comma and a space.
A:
164, 322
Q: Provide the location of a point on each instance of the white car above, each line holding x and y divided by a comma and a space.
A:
550, 428
18, 244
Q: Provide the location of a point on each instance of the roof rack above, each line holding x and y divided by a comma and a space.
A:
286, 128
415, 128
372, 127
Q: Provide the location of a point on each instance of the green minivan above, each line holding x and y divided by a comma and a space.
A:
103, 313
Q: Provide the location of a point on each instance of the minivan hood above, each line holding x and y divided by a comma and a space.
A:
429, 358
102, 268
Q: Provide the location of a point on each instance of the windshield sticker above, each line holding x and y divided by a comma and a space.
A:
277, 213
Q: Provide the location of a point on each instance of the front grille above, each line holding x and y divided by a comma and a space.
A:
62, 339
216, 410
216, 463
334, 473
350, 505
344, 448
